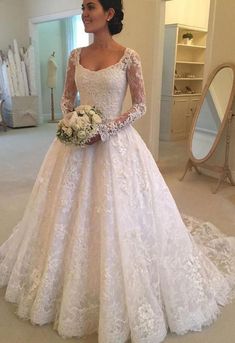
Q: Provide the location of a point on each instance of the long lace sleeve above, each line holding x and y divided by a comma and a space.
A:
70, 88
137, 90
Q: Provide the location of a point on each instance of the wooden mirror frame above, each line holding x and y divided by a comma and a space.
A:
198, 110
194, 162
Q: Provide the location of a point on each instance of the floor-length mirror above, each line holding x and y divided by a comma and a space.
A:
213, 116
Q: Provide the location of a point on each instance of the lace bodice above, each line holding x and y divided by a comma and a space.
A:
106, 89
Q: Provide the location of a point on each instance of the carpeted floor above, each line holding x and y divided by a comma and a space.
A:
21, 154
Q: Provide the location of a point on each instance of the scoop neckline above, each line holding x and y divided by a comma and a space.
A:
109, 67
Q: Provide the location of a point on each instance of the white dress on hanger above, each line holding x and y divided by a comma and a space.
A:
102, 246
29, 59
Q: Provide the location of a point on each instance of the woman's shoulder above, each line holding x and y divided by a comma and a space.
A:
133, 57
74, 55
132, 52
126, 50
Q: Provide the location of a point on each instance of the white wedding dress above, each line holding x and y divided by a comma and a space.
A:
102, 246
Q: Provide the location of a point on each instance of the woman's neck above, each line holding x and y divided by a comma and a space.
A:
103, 40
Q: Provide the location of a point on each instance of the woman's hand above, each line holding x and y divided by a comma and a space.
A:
94, 139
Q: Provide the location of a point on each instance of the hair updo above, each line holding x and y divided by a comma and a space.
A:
115, 24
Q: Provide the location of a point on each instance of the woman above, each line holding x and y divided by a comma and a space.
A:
102, 246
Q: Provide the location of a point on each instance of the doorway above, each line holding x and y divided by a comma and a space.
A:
58, 34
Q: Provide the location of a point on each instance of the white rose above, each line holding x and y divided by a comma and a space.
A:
69, 132
73, 114
76, 127
69, 115
65, 122
79, 108
87, 108
60, 124
73, 119
80, 123
86, 118
96, 119
81, 134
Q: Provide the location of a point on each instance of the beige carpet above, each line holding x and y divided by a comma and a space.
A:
21, 154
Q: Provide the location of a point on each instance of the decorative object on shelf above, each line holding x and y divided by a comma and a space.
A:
190, 76
177, 91
188, 90
212, 117
187, 38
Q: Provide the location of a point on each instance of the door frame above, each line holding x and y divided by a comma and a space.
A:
33, 34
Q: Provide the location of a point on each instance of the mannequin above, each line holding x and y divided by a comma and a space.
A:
51, 82
52, 71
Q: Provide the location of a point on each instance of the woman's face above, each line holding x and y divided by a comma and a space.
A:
94, 17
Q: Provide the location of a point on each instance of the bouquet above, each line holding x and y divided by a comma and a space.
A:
79, 126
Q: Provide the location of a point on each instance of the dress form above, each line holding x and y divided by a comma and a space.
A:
51, 82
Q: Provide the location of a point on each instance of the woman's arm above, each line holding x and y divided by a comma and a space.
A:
136, 84
70, 88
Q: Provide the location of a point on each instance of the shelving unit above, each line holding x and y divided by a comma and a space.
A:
182, 81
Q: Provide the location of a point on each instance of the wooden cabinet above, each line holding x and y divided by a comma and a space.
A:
182, 80
176, 116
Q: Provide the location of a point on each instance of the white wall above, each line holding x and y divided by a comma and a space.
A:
36, 8
144, 33
13, 23
188, 12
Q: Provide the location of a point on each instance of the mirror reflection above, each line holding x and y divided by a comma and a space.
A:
212, 113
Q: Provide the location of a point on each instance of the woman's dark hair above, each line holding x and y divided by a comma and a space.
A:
115, 24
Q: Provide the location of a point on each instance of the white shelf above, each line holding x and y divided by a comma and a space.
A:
189, 62
192, 46
186, 94
183, 68
189, 28
188, 78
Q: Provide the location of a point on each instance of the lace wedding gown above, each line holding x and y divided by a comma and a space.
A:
101, 246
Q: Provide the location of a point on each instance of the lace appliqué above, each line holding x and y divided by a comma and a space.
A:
70, 88
136, 84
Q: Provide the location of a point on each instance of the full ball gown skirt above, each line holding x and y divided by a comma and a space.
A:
102, 246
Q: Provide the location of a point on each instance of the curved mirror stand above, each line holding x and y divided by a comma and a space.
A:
212, 115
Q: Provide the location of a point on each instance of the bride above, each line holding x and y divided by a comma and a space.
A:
101, 246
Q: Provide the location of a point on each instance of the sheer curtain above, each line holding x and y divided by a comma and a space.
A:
75, 34
76, 37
